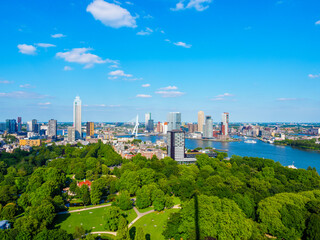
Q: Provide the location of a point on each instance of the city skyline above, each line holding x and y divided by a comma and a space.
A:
256, 60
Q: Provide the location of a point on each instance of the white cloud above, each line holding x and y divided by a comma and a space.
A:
26, 86
67, 68
119, 73
45, 45
314, 75
22, 94
182, 44
148, 31
129, 3
146, 85
286, 99
199, 5
111, 15
44, 104
114, 66
81, 56
27, 49
5, 82
317, 22
58, 35
169, 94
167, 40
222, 97
162, 32
169, 88
143, 96
148, 16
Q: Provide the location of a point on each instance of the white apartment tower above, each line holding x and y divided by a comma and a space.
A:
77, 117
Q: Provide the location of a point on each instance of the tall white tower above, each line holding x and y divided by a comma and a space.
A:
77, 117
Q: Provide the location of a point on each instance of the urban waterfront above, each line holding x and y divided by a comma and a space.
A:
284, 154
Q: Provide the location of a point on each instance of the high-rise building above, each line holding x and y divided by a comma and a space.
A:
11, 125
34, 126
192, 127
174, 121
147, 118
150, 126
29, 126
19, 124
176, 145
52, 128
71, 134
90, 129
225, 124
200, 121
208, 127
77, 117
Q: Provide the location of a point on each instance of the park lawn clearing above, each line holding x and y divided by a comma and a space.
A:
154, 223
145, 209
105, 236
91, 220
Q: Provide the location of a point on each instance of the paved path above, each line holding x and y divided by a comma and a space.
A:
84, 209
140, 215
104, 232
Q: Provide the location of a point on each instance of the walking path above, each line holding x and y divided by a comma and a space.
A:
84, 209
139, 215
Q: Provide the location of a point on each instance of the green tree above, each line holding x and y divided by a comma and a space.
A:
313, 227
85, 194
143, 199
159, 201
112, 218
122, 233
123, 201
9, 211
169, 203
79, 232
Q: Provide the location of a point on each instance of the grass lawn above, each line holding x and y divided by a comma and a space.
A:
88, 206
145, 209
105, 236
153, 223
91, 220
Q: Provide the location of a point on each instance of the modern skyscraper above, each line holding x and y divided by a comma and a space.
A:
200, 121
174, 121
150, 126
34, 126
175, 145
208, 127
77, 117
29, 126
19, 124
52, 128
90, 129
147, 118
225, 124
71, 134
11, 125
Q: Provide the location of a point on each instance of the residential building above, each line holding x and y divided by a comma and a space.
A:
77, 117
174, 121
200, 121
71, 134
225, 124
90, 129
52, 128
176, 145
208, 127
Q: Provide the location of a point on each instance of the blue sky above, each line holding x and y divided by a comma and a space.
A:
257, 60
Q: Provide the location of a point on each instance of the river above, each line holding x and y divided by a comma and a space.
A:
284, 154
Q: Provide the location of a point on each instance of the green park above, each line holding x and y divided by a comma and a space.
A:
91, 192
